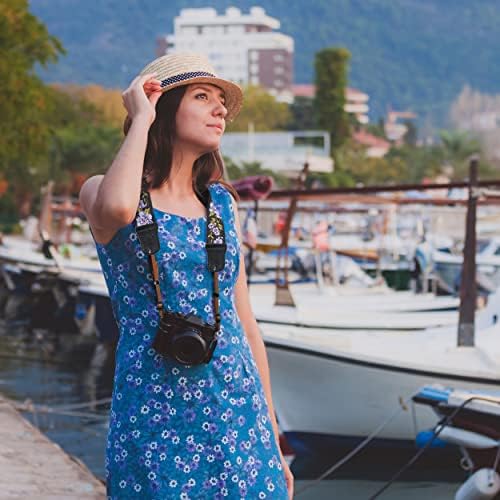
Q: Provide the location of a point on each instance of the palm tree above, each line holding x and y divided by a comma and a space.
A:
457, 147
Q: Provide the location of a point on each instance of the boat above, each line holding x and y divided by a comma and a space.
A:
39, 285
332, 387
93, 298
448, 266
332, 309
18, 250
469, 420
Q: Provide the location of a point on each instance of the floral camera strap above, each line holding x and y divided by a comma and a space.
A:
215, 245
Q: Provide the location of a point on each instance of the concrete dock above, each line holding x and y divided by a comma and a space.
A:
32, 466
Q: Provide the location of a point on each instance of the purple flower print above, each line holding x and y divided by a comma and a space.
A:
161, 441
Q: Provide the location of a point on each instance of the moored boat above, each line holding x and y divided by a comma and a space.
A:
334, 387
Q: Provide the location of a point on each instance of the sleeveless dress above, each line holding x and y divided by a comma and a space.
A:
184, 432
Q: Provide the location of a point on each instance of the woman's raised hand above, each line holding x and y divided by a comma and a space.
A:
141, 97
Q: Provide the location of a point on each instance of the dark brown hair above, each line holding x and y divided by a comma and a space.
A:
207, 169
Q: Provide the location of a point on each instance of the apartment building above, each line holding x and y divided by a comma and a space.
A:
245, 48
356, 102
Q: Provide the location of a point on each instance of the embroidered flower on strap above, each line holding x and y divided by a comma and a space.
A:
144, 215
215, 234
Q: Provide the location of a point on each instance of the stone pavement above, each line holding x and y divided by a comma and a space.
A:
33, 467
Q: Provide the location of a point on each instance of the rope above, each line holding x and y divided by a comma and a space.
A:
29, 407
97, 402
497, 458
32, 359
359, 447
437, 430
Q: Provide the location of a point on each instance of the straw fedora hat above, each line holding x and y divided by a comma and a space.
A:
174, 70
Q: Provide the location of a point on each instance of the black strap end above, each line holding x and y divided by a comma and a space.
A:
216, 256
148, 237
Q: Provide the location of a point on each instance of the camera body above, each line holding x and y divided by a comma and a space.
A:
185, 338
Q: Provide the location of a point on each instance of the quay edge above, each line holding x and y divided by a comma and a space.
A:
32, 466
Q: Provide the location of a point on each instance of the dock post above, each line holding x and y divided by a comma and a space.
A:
468, 282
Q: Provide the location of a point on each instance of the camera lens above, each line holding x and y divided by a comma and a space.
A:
189, 348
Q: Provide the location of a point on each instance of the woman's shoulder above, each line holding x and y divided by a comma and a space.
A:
222, 189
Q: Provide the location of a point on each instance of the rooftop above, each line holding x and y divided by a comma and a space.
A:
366, 139
208, 16
309, 90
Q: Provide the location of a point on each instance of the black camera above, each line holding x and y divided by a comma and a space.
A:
185, 338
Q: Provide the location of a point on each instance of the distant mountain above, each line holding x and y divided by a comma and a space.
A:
406, 54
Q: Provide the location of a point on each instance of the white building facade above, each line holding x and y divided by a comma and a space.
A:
242, 47
283, 152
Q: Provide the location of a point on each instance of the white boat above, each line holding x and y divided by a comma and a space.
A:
93, 298
469, 420
331, 308
14, 250
448, 266
38, 291
332, 386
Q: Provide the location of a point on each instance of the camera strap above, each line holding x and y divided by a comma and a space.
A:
147, 231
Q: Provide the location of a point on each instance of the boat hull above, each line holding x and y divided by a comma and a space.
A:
334, 400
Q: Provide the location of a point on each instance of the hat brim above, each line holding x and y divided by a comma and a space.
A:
233, 94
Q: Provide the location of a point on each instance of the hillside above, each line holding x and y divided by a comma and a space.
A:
414, 54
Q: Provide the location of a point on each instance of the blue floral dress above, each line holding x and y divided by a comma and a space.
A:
187, 432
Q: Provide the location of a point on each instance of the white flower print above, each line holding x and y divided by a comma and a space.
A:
173, 428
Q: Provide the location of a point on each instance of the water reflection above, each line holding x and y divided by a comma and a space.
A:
58, 371
66, 370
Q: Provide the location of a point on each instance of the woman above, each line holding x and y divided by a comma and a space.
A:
177, 430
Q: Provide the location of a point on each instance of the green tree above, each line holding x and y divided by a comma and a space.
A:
354, 167
262, 110
82, 150
331, 81
421, 162
302, 114
456, 147
67, 107
238, 171
24, 41
411, 135
108, 102
377, 129
84, 137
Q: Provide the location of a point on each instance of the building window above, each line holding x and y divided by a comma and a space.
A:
236, 29
189, 30
279, 70
278, 83
254, 56
278, 58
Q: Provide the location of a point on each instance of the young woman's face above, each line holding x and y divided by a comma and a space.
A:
200, 119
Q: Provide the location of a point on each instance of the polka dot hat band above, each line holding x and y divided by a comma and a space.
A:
174, 70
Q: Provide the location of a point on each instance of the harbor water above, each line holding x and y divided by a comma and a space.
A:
42, 371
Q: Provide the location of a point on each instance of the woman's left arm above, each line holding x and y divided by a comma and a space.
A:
247, 318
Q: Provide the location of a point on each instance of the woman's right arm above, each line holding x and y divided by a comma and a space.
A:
110, 201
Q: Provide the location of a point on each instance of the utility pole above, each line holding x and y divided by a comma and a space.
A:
283, 294
468, 282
